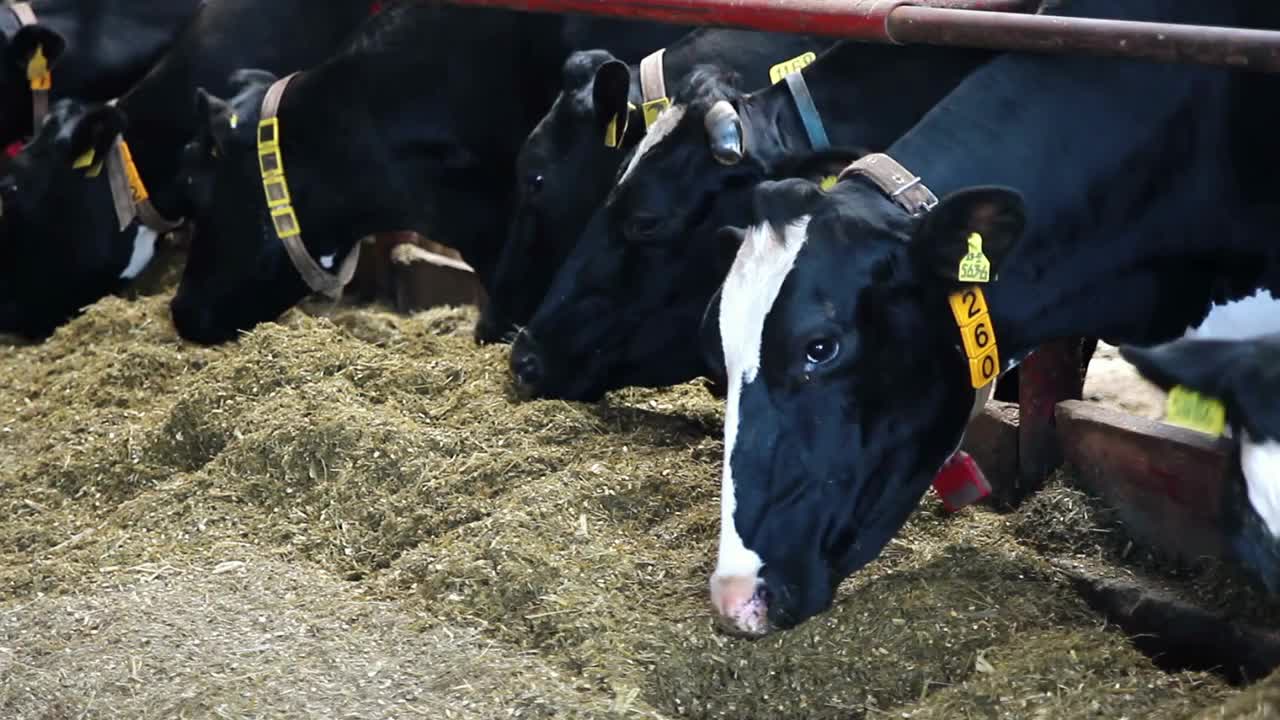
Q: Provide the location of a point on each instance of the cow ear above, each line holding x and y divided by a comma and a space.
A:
34, 44
709, 341
780, 202
220, 120
970, 234
610, 91
93, 134
1242, 374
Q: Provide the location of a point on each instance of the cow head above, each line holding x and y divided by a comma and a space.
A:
238, 273
624, 307
563, 172
1244, 375
847, 386
54, 261
31, 43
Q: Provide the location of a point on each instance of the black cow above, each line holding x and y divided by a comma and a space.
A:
848, 384
95, 50
565, 169
428, 147
47, 270
1234, 358
624, 307
162, 117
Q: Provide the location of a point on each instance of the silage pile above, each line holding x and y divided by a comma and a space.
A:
554, 554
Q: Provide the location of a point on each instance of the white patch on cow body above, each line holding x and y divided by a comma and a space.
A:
1258, 314
659, 130
750, 290
326, 261
1260, 463
144, 249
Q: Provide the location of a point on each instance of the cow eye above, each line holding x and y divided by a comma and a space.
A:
821, 351
533, 183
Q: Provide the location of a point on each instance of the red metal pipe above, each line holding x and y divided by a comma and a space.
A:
1240, 48
993, 24
855, 19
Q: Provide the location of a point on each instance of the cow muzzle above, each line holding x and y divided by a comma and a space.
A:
742, 604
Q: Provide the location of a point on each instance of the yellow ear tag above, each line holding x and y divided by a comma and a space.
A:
38, 70
785, 68
233, 121
969, 308
653, 109
828, 182
84, 161
975, 267
1189, 409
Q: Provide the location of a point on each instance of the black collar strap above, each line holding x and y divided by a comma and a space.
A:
279, 203
808, 112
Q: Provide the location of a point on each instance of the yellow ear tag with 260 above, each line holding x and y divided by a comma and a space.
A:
1189, 409
38, 70
975, 267
785, 68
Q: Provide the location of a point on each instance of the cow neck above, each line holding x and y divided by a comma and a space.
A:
284, 219
159, 126
1114, 159
364, 180
867, 94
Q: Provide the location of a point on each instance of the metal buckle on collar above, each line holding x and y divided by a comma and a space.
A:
899, 184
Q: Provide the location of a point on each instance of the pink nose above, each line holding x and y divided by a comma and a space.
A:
740, 601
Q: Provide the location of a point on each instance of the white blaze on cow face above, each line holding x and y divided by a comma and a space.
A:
659, 130
750, 290
1260, 463
144, 248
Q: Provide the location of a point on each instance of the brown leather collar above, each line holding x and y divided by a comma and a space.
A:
279, 204
894, 180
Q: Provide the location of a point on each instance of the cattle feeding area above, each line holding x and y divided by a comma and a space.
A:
350, 516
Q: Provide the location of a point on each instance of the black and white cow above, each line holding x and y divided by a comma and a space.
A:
1234, 357
848, 385
44, 240
565, 169
429, 147
95, 50
624, 307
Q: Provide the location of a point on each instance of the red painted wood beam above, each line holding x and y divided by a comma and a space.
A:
994, 24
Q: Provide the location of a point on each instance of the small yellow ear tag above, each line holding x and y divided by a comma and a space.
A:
1189, 409
38, 70
828, 182
653, 109
975, 267
233, 121
795, 64
85, 160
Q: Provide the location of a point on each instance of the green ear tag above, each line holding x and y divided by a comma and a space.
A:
233, 121
975, 267
1189, 409
828, 182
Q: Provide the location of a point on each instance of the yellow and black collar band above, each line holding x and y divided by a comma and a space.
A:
284, 219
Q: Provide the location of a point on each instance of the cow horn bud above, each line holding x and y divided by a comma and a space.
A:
724, 133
